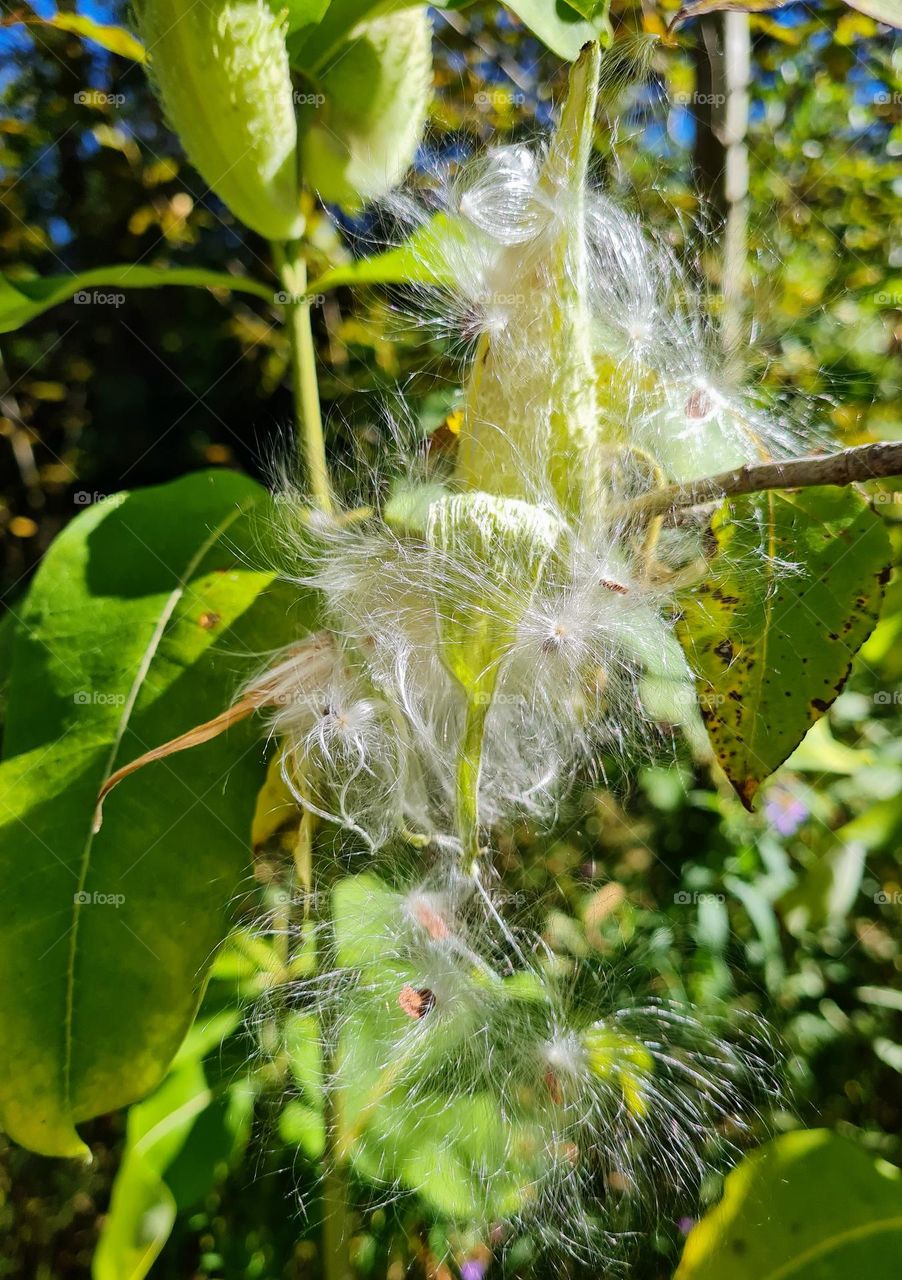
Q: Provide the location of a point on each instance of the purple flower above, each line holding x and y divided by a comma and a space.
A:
785, 811
473, 1269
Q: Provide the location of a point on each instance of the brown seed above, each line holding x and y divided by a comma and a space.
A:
208, 621
430, 920
416, 1001
698, 405
610, 585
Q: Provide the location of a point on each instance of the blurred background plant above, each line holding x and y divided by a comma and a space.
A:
792, 912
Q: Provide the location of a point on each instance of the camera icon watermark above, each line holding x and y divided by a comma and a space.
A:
683, 898
82, 498
885, 899
888, 697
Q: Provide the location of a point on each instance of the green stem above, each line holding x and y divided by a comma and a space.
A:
469, 765
292, 268
336, 1211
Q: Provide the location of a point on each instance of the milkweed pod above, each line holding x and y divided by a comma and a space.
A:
363, 137
489, 555
530, 415
220, 69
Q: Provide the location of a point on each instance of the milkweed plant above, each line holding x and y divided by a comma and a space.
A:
495, 622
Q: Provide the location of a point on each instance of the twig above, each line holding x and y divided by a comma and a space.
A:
864, 462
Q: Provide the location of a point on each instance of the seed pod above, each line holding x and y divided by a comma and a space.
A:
376, 89
531, 411
220, 69
489, 555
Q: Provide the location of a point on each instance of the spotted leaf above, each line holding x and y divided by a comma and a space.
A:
794, 590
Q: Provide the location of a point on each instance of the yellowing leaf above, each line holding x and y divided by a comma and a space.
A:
807, 1206
115, 39
795, 589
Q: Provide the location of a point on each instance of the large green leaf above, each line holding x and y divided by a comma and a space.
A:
807, 1206
794, 590
179, 1142
142, 620
562, 27
142, 1209
22, 299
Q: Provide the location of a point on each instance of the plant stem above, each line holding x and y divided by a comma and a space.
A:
292, 268
336, 1215
469, 764
864, 462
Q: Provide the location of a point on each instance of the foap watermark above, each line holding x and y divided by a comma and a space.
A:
888, 697
98, 98
683, 898
82, 498
96, 298
499, 98
97, 698
96, 899
699, 99
302, 99
283, 299
888, 899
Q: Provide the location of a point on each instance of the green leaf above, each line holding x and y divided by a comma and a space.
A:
142, 1209
562, 27
140, 624
425, 258
807, 1206
794, 589
115, 39
21, 299
310, 51
303, 14
179, 1142
827, 891
462, 1156
365, 916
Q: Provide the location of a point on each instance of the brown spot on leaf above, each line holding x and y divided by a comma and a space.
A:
724, 651
209, 620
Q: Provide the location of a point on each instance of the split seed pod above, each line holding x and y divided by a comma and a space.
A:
531, 405
221, 71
